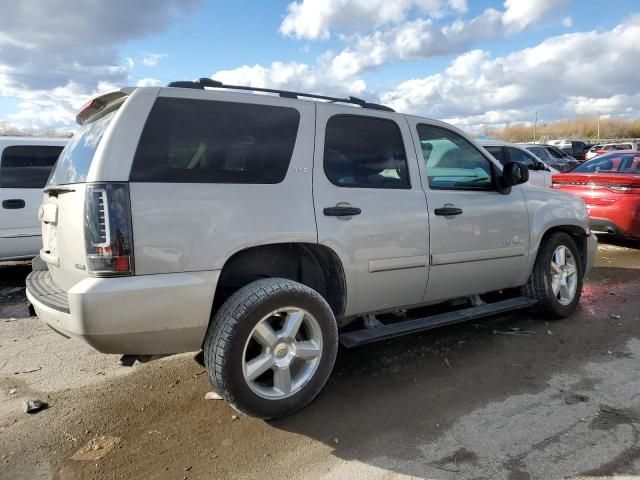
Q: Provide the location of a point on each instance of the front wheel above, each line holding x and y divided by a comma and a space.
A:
556, 279
271, 347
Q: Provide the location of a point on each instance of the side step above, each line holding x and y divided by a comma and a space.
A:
384, 332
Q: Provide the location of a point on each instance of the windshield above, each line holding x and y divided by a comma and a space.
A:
74, 161
612, 163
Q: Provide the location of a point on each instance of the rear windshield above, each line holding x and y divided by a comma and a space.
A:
75, 160
27, 166
205, 141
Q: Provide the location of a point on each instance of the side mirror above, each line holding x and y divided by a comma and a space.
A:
542, 166
514, 173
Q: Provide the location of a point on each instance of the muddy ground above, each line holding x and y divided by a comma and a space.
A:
470, 401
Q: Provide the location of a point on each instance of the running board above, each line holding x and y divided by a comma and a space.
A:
384, 332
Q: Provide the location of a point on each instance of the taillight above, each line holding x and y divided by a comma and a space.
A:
618, 188
108, 235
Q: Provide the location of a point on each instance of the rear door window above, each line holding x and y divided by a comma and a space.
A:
517, 155
365, 152
27, 166
539, 152
555, 152
497, 152
205, 141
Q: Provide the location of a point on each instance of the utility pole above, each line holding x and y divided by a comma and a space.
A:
535, 123
598, 126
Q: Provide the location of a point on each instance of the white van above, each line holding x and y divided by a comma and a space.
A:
25, 165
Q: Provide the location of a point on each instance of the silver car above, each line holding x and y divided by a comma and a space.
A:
265, 230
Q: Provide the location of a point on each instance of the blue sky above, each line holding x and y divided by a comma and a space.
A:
477, 64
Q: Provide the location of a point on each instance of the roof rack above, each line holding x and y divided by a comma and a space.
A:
208, 82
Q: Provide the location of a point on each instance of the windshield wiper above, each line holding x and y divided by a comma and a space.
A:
56, 190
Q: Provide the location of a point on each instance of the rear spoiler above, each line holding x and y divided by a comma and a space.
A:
98, 104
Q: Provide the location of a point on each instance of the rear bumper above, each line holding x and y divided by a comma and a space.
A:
144, 315
621, 218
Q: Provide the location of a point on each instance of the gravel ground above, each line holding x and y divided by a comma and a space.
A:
460, 402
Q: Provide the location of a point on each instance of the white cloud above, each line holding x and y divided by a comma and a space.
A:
291, 76
422, 38
557, 77
50, 61
519, 14
152, 59
316, 19
412, 40
148, 82
567, 22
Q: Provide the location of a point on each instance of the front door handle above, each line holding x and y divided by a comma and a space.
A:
13, 203
341, 211
448, 211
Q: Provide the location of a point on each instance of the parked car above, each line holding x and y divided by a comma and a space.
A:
265, 229
25, 165
552, 156
576, 148
610, 186
593, 151
611, 147
539, 172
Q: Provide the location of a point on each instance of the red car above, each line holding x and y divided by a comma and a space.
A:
610, 186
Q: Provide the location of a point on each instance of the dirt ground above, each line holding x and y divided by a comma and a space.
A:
562, 399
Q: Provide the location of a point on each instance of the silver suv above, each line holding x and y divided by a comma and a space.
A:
265, 230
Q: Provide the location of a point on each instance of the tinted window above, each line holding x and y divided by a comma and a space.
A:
497, 152
27, 166
452, 162
554, 152
203, 141
540, 152
612, 163
75, 159
517, 155
365, 152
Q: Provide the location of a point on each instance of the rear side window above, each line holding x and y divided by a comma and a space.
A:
497, 152
27, 166
365, 152
75, 160
517, 155
540, 152
555, 152
204, 141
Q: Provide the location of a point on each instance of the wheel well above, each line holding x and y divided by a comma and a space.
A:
311, 264
579, 237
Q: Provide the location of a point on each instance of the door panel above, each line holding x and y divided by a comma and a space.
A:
484, 247
384, 247
24, 167
19, 227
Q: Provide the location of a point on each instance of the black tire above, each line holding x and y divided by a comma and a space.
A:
233, 323
539, 284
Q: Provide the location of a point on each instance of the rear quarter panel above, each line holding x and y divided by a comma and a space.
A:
182, 227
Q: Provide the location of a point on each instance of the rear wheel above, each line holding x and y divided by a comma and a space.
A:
556, 279
271, 347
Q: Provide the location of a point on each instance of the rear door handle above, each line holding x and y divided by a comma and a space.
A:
13, 203
448, 211
341, 211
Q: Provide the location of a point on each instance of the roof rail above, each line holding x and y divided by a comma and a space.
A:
208, 82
